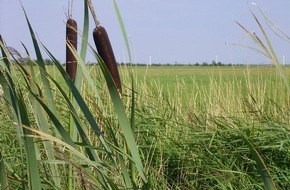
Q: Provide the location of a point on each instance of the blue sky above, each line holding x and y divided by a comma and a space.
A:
182, 31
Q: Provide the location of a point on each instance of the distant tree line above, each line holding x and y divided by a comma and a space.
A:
213, 63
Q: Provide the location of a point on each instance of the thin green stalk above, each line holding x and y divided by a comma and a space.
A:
84, 108
132, 122
81, 103
41, 120
123, 120
10, 95
40, 62
84, 46
267, 49
32, 164
261, 166
263, 170
123, 29
3, 174
78, 81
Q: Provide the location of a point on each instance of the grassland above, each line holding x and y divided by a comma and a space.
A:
190, 123
201, 75
194, 120
206, 85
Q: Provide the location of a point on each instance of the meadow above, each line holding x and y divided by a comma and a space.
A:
190, 124
166, 127
196, 120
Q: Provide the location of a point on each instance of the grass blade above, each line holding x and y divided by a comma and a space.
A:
274, 27
122, 26
40, 62
82, 66
123, 120
79, 74
268, 49
263, 170
89, 116
83, 106
3, 174
33, 171
76, 152
10, 95
132, 122
261, 166
65, 136
4, 53
84, 46
41, 120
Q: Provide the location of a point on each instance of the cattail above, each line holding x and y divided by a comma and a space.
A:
105, 51
71, 40
104, 48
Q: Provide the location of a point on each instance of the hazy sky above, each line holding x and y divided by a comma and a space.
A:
183, 31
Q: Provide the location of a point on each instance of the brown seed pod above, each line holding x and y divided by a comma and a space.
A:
105, 51
72, 39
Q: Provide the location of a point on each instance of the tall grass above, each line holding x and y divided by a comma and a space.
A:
217, 133
206, 144
100, 160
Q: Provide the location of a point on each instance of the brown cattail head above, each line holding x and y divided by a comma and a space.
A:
72, 39
105, 51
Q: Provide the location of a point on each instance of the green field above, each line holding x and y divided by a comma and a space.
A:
192, 124
214, 86
170, 76
200, 114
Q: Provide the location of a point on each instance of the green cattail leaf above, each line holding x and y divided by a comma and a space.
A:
82, 66
80, 158
4, 53
41, 120
82, 104
123, 120
73, 149
32, 165
122, 26
40, 63
43, 125
122, 162
55, 121
9, 89
84, 45
77, 120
